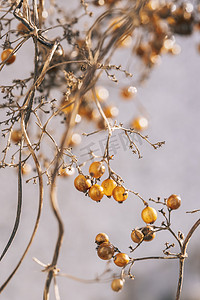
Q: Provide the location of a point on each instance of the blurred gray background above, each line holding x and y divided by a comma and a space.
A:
171, 99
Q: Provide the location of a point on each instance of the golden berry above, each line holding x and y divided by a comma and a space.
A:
149, 215
111, 111
137, 236
120, 194
67, 105
101, 238
108, 186
67, 171
22, 29
16, 136
5, 54
26, 169
174, 201
75, 139
97, 169
128, 92
96, 192
117, 284
106, 251
121, 259
149, 233
102, 93
140, 124
81, 183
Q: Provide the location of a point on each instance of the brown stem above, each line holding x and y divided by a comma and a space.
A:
182, 258
38, 168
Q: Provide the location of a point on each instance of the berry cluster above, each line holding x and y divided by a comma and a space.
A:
107, 251
95, 191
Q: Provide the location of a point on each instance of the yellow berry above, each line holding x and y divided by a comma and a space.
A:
111, 111
149, 233
22, 29
97, 169
140, 124
96, 192
16, 136
120, 194
81, 183
149, 215
174, 201
26, 169
67, 105
121, 259
5, 54
108, 186
101, 238
67, 171
128, 92
137, 236
106, 251
117, 284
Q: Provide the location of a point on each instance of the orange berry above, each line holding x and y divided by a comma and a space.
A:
81, 183
108, 186
5, 54
149, 233
149, 215
16, 136
97, 169
119, 194
121, 259
140, 124
101, 238
174, 201
117, 284
106, 251
96, 192
137, 236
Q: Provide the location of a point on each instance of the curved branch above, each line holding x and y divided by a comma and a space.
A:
19, 208
38, 168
